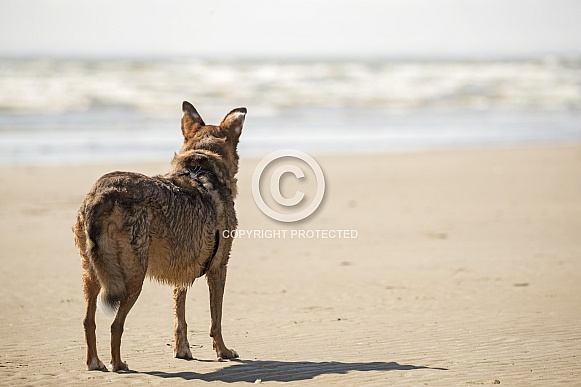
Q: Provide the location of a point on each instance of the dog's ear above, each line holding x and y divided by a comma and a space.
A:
191, 120
234, 121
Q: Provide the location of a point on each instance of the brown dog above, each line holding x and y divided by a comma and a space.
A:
168, 227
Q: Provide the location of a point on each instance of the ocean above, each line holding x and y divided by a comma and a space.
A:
58, 111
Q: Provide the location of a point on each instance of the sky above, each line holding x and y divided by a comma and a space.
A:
418, 29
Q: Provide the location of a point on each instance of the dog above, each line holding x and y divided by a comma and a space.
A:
168, 227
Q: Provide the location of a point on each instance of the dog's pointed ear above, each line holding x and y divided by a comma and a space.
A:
234, 121
191, 120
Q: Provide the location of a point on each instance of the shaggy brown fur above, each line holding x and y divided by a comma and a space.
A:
168, 227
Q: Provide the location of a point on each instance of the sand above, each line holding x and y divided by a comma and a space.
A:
466, 270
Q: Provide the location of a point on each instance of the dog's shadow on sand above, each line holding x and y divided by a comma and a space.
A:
280, 371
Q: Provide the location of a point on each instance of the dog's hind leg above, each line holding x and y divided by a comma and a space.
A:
216, 283
134, 275
182, 346
91, 289
117, 329
132, 256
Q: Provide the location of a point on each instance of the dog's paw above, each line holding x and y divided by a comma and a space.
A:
228, 354
122, 366
183, 353
96, 365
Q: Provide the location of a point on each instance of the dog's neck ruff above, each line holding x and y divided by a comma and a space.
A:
195, 173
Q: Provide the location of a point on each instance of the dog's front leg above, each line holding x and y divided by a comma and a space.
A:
182, 346
216, 283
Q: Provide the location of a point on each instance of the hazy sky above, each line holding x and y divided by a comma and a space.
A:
299, 28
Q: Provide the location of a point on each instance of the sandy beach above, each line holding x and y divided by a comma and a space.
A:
465, 270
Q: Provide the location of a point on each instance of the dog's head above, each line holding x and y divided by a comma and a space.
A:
221, 140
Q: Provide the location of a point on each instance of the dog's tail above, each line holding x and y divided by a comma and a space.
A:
104, 254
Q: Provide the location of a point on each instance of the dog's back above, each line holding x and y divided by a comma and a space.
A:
133, 225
